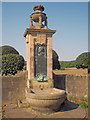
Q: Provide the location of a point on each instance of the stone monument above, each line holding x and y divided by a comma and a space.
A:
39, 50
40, 94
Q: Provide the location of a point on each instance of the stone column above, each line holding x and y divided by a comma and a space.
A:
28, 60
49, 60
40, 21
31, 61
31, 22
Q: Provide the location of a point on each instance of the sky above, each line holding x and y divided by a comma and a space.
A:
69, 19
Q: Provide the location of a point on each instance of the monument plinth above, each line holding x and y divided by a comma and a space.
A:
39, 50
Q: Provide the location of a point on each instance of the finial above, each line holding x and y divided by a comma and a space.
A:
38, 7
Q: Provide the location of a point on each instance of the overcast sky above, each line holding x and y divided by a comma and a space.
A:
69, 19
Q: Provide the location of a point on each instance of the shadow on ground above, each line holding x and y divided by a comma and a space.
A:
59, 82
67, 106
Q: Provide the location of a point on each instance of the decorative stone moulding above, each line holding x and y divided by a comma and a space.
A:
36, 16
33, 30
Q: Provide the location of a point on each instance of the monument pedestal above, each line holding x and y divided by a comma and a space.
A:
43, 39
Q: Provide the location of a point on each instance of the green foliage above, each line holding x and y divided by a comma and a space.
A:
56, 64
25, 63
83, 60
62, 68
7, 50
11, 63
28, 106
67, 64
11, 60
24, 68
83, 102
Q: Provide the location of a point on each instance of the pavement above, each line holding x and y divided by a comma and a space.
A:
67, 110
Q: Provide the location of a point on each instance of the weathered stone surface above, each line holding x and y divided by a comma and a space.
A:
11, 85
76, 86
79, 86
35, 37
40, 85
47, 100
70, 111
14, 87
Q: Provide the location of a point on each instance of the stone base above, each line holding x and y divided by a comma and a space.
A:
42, 85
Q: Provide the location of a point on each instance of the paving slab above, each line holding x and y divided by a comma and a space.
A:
67, 110
15, 112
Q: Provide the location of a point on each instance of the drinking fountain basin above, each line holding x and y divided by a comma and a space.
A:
47, 100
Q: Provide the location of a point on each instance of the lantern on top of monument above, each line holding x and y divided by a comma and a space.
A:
38, 17
39, 49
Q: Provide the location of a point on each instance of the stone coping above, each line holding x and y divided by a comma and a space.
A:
33, 30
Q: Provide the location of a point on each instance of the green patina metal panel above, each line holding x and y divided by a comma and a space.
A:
40, 63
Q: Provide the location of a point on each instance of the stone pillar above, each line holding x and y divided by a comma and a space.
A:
28, 60
46, 22
49, 60
40, 21
31, 61
31, 22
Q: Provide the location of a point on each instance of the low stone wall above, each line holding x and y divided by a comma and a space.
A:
77, 86
74, 85
13, 87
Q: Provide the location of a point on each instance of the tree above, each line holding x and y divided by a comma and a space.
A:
83, 60
12, 63
67, 64
8, 50
56, 64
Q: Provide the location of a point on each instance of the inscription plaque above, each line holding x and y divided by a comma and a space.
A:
40, 63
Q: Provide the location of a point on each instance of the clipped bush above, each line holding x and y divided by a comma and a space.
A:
56, 64
83, 61
8, 50
11, 63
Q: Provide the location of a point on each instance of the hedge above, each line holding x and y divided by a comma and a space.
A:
82, 60
8, 50
12, 63
67, 64
56, 64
